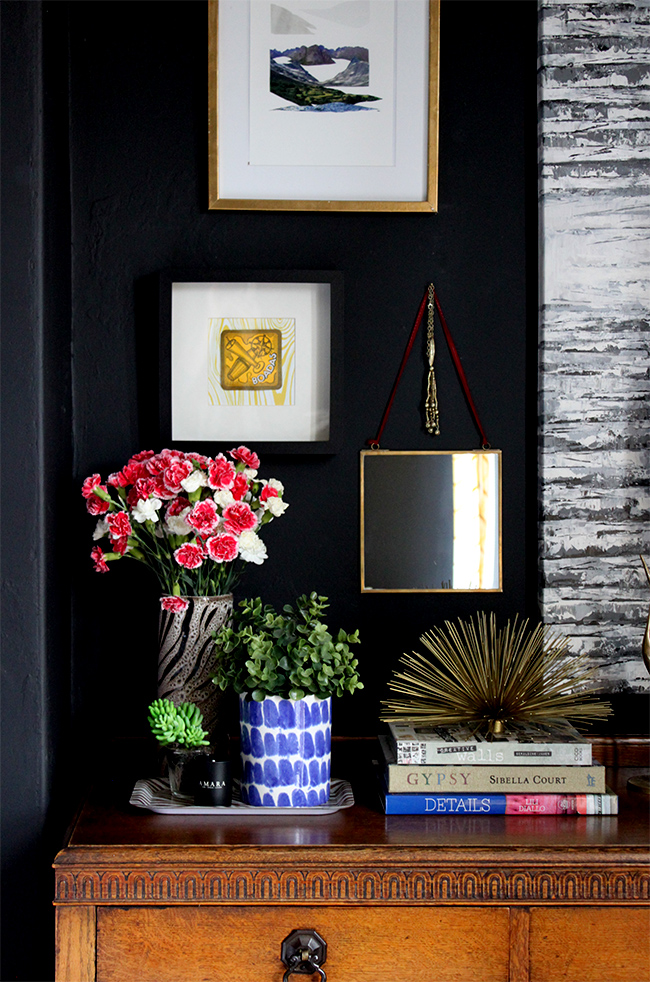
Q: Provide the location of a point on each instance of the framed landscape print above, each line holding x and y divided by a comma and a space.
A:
251, 357
323, 104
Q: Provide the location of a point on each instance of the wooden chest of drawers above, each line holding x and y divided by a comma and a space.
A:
397, 898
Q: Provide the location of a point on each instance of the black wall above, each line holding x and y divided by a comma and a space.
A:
105, 182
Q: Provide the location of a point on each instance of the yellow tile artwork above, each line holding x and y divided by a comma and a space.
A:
251, 361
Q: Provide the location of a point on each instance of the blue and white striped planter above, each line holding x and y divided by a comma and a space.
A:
285, 751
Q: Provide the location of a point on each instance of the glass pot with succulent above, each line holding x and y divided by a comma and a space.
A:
179, 730
285, 667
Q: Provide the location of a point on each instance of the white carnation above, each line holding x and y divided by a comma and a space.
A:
278, 485
176, 524
276, 506
249, 473
251, 548
197, 479
223, 497
147, 510
101, 529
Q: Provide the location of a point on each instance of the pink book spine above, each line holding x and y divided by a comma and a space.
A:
546, 804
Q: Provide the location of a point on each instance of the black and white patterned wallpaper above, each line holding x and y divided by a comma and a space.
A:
594, 108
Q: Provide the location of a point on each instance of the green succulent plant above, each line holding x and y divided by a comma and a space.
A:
177, 725
291, 654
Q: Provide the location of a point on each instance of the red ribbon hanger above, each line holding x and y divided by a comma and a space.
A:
374, 443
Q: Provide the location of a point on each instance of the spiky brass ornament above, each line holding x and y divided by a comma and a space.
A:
487, 678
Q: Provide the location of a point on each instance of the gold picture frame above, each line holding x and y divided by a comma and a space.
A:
409, 184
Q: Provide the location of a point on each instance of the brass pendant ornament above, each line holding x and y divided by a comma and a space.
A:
431, 411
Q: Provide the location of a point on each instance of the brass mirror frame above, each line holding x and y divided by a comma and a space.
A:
430, 453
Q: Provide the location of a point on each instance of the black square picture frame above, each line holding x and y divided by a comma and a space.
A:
197, 413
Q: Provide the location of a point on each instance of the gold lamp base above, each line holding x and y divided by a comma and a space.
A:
640, 783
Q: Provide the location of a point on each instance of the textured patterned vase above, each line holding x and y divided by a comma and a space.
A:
186, 654
285, 751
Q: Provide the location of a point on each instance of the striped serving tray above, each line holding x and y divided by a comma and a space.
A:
154, 794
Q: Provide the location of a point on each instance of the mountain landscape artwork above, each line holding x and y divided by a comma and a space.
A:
322, 83
294, 70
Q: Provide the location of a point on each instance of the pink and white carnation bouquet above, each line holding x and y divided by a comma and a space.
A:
194, 520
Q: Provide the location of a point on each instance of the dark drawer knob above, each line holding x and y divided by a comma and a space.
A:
303, 953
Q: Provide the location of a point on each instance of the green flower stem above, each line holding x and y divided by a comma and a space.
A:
153, 556
104, 495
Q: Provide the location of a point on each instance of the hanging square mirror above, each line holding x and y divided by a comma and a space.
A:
430, 521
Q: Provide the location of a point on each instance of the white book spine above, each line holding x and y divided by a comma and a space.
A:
424, 752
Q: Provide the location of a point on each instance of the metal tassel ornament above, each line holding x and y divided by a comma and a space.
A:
431, 412
486, 678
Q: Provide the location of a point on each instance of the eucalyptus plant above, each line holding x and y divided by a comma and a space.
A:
291, 654
177, 726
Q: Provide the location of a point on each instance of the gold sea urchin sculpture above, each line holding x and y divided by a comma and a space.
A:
487, 678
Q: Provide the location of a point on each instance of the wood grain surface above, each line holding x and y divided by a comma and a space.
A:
363, 945
401, 898
75, 943
589, 944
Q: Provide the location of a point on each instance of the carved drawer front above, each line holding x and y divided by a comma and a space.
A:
589, 944
364, 944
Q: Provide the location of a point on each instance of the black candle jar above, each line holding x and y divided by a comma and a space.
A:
212, 778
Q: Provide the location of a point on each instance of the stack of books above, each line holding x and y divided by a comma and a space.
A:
534, 770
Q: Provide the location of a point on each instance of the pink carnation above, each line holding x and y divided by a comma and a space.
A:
88, 486
268, 492
120, 545
131, 473
177, 471
246, 456
190, 556
119, 525
160, 489
204, 517
177, 605
156, 464
222, 548
177, 506
137, 466
141, 490
221, 473
199, 459
97, 506
238, 517
239, 487
117, 480
159, 463
97, 556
